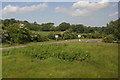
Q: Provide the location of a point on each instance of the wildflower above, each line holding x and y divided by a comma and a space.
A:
21, 25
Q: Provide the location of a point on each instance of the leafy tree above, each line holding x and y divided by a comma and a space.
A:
47, 26
7, 22
64, 26
109, 38
16, 33
79, 28
68, 34
113, 28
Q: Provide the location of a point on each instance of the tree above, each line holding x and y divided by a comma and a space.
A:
7, 22
64, 26
79, 28
47, 26
113, 28
16, 33
69, 34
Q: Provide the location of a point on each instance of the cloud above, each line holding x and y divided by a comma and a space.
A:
83, 8
63, 10
113, 14
60, 9
13, 9
114, 5
90, 5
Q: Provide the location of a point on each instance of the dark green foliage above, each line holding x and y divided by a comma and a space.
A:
112, 31
12, 33
60, 51
79, 28
64, 26
78, 56
8, 22
114, 28
92, 35
38, 37
109, 38
68, 34
16, 33
35, 27
51, 35
47, 26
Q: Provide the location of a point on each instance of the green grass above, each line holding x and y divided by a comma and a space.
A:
45, 33
35, 43
22, 62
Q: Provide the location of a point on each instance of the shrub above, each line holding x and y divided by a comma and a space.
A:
59, 51
16, 33
38, 37
69, 35
109, 38
92, 35
20, 34
51, 35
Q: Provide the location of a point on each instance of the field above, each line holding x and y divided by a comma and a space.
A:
67, 60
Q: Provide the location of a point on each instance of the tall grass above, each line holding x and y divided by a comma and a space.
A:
60, 51
93, 60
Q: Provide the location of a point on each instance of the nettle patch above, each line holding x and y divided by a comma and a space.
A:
76, 56
60, 51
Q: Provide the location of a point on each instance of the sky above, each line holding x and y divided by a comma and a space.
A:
95, 14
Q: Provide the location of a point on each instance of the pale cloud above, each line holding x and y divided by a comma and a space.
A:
90, 5
83, 8
63, 10
114, 5
113, 14
60, 9
13, 9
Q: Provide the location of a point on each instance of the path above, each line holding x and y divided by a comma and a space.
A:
53, 43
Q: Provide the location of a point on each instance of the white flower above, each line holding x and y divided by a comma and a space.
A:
22, 25
25, 28
56, 36
35, 35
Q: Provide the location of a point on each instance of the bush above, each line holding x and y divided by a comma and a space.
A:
37, 37
92, 35
20, 34
59, 51
109, 39
16, 33
51, 36
69, 35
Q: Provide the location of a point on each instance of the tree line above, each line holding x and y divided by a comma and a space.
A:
16, 31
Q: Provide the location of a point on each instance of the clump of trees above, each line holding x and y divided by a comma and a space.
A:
112, 31
15, 31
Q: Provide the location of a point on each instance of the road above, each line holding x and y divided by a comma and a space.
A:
53, 43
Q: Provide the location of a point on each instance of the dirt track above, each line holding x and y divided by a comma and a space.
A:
53, 43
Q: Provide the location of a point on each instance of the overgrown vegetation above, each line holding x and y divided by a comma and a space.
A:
69, 60
62, 51
15, 31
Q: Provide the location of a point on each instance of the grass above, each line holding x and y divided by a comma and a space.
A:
45, 33
35, 43
102, 63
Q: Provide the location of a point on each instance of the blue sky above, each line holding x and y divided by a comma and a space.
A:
81, 12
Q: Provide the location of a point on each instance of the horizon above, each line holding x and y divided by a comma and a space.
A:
95, 14
60, 23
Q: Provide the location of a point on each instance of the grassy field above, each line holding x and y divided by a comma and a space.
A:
3, 45
67, 60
